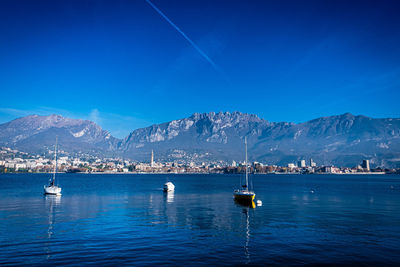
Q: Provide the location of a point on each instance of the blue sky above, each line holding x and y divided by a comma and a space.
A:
125, 66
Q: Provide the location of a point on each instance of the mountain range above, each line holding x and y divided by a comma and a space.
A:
341, 140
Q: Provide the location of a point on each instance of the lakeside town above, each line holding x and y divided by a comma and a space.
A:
14, 161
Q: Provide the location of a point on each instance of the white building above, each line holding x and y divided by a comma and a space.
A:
302, 163
365, 164
9, 165
20, 166
312, 163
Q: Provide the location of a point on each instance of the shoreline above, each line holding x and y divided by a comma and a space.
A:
197, 173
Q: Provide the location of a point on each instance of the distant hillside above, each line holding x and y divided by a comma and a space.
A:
342, 140
37, 134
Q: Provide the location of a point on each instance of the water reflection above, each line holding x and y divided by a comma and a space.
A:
123, 220
51, 203
169, 196
246, 246
246, 206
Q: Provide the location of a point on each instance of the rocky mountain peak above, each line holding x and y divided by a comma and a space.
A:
338, 139
35, 133
222, 117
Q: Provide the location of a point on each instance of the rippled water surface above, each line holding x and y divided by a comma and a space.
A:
127, 220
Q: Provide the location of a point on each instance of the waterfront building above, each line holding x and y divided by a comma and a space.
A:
20, 166
312, 163
365, 165
301, 163
9, 165
327, 169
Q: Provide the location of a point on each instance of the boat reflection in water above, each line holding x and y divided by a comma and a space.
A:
246, 207
169, 196
246, 204
52, 202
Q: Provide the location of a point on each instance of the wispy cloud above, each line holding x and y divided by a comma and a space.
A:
95, 116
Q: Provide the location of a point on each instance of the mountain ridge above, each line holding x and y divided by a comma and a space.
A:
342, 140
35, 133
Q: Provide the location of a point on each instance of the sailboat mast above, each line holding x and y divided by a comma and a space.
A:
247, 174
55, 158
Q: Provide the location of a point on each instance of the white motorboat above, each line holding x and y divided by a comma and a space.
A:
168, 186
52, 188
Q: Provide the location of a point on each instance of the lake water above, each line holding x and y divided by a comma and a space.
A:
127, 220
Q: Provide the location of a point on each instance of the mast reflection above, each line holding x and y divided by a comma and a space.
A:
246, 207
52, 201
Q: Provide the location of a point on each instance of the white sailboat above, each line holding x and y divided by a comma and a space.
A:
243, 194
52, 188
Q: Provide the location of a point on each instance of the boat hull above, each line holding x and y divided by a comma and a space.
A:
244, 196
52, 190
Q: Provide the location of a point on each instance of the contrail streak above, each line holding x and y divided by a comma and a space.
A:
201, 52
